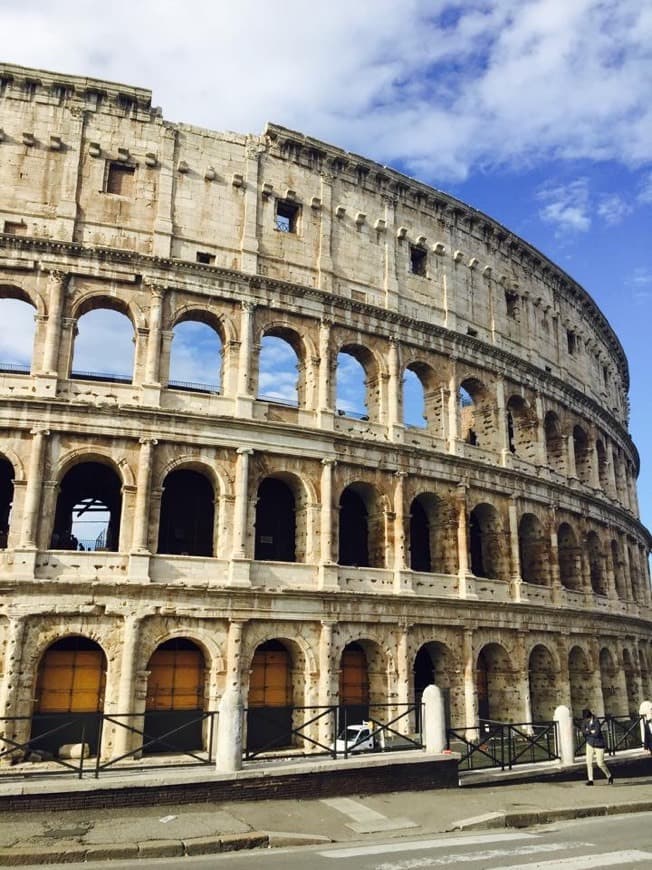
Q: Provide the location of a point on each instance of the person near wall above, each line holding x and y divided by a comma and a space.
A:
595, 746
647, 726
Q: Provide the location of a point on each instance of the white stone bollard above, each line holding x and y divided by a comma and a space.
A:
228, 756
645, 711
565, 732
434, 720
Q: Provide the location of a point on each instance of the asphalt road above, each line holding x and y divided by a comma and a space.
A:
611, 841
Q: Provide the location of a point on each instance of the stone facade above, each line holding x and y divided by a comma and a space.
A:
495, 550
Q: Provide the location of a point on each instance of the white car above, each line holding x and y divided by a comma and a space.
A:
356, 738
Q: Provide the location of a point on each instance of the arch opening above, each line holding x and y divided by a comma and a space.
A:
187, 514
88, 509
175, 698
69, 696
275, 522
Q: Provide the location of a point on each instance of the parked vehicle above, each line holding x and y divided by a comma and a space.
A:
356, 738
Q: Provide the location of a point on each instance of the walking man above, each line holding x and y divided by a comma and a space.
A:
595, 746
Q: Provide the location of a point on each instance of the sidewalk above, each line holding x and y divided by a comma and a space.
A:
485, 800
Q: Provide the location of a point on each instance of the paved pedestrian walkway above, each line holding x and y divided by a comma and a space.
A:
490, 800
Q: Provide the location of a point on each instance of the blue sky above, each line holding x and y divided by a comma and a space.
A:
538, 112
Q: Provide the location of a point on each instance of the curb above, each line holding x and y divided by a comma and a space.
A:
24, 855
545, 817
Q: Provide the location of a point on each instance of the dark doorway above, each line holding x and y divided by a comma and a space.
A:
475, 545
354, 530
6, 499
69, 695
275, 522
354, 686
420, 559
187, 515
89, 498
269, 710
175, 698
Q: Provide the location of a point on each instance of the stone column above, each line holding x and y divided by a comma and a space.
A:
395, 427
324, 387
517, 591
12, 668
244, 398
230, 737
402, 574
327, 720
501, 421
153, 357
542, 459
555, 580
241, 502
56, 290
140, 541
470, 688
29, 531
570, 455
402, 692
239, 568
453, 426
124, 739
327, 565
465, 577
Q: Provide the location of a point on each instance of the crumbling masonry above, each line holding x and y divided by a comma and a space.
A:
295, 551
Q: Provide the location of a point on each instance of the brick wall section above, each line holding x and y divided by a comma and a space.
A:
319, 784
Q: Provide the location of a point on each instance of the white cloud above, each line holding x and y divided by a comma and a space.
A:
438, 86
566, 206
645, 193
613, 209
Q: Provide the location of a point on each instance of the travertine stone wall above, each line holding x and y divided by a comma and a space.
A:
534, 580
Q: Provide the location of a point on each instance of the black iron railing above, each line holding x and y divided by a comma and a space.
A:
620, 733
504, 745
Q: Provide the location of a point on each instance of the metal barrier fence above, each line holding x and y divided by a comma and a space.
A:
331, 730
620, 733
504, 745
150, 740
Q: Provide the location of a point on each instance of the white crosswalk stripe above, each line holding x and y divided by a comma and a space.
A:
416, 845
588, 862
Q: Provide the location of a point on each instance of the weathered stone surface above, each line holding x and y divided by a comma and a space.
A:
502, 554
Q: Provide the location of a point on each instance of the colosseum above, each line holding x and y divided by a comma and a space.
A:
404, 458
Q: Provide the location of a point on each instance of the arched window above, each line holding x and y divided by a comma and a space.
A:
356, 383
275, 522
521, 429
603, 466
618, 570
278, 376
175, 698
568, 551
582, 454
354, 529
420, 555
544, 691
554, 443
16, 336
6, 499
187, 514
269, 708
433, 665
487, 552
88, 509
596, 567
354, 685
414, 405
69, 695
104, 347
195, 357
495, 681
533, 550
476, 414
